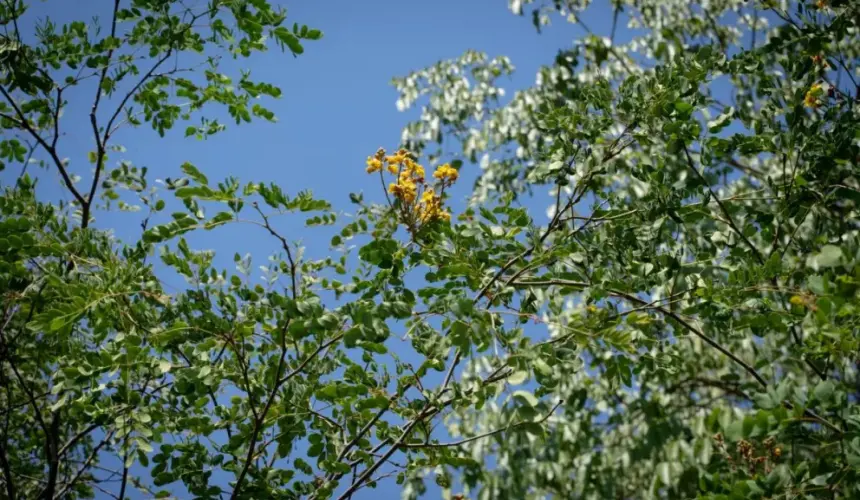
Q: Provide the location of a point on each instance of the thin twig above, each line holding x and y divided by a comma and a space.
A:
723, 208
84, 467
486, 434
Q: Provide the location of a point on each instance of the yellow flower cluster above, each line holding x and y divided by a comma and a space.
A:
419, 202
404, 189
430, 208
374, 163
813, 96
446, 173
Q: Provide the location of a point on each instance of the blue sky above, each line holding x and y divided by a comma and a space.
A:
337, 108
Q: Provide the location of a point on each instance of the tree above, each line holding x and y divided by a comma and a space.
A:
694, 290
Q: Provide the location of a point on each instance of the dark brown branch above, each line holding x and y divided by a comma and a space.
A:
68, 486
364, 430
210, 391
385, 456
727, 387
31, 399
427, 412
57, 107
310, 358
124, 482
53, 458
666, 312
101, 143
7, 471
134, 90
285, 246
77, 437
22, 121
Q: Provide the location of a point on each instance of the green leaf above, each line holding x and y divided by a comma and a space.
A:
286, 37
823, 390
191, 171
829, 256
683, 108
664, 473
526, 398
517, 377
722, 121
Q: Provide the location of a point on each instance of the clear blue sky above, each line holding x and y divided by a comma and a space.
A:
337, 107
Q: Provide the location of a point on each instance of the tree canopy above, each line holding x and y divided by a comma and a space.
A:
682, 322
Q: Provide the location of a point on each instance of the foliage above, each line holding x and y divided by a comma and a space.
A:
693, 295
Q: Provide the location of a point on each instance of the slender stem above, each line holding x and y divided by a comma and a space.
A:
7, 471
77, 437
23, 123
486, 434
723, 208
385, 456
101, 143
261, 416
285, 246
68, 486
310, 358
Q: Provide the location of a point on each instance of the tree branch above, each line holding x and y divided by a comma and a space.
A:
486, 434
687, 325
68, 486
285, 246
100, 144
723, 208
261, 417
22, 120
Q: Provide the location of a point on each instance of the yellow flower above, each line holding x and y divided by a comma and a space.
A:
797, 300
446, 173
430, 208
427, 213
414, 169
403, 190
394, 159
393, 168
592, 309
812, 96
373, 165
428, 196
